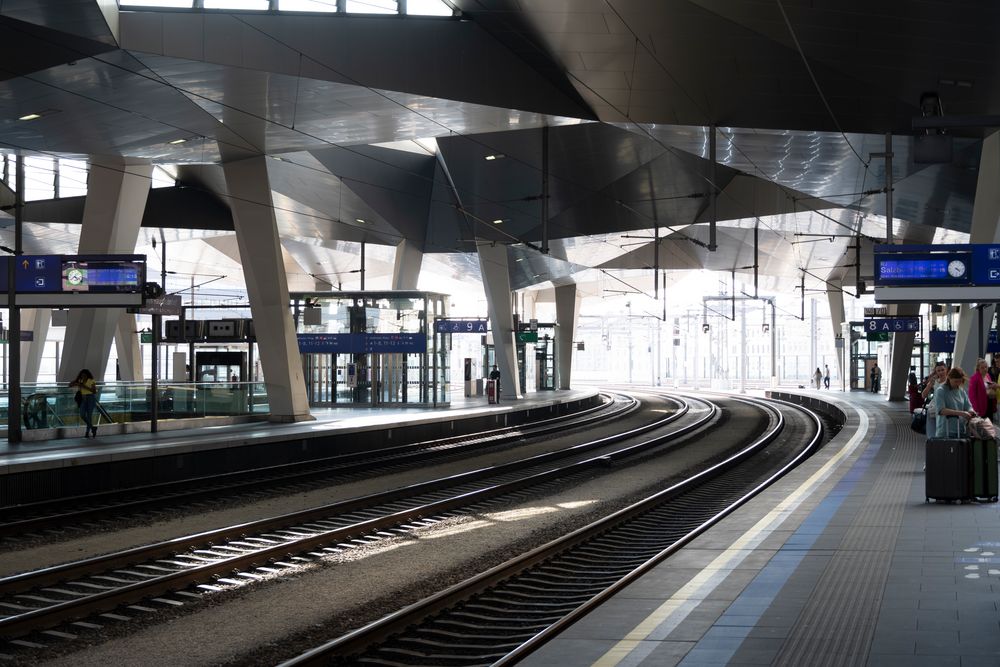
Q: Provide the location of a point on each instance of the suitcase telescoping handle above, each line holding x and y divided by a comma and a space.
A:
958, 426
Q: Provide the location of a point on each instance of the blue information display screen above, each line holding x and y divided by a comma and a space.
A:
360, 343
944, 341
923, 269
60, 274
101, 276
907, 269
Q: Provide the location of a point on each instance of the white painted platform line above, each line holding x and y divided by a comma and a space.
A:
641, 641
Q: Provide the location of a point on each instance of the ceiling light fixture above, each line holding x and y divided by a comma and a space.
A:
359, 220
498, 221
496, 156
30, 116
178, 141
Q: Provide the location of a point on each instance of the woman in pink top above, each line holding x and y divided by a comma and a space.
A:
978, 384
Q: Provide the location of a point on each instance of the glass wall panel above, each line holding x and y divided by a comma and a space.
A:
236, 4
163, 178
372, 7
428, 8
39, 178
307, 5
72, 178
156, 3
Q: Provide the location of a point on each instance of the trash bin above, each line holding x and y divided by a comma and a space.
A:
491, 391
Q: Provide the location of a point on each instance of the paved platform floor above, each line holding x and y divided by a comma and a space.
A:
76, 451
842, 562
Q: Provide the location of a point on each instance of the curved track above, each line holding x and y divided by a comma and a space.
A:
48, 597
73, 514
501, 615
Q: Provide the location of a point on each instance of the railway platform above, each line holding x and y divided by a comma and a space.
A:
39, 470
841, 562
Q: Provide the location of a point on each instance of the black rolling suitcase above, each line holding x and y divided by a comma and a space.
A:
948, 475
984, 469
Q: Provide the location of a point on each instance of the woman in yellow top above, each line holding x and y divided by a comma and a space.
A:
87, 387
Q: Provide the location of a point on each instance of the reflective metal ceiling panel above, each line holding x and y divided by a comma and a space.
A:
239, 84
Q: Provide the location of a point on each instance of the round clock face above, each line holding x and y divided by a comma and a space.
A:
74, 276
956, 268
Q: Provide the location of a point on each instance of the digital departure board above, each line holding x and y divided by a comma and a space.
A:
101, 276
75, 280
923, 269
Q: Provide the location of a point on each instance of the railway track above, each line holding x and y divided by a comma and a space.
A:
46, 598
501, 615
82, 511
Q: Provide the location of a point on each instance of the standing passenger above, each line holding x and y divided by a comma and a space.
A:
876, 378
952, 401
931, 386
87, 388
980, 389
817, 377
826, 376
495, 376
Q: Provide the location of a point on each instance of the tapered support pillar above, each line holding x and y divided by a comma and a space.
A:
37, 321
129, 353
567, 315
835, 297
985, 229
902, 354
496, 282
406, 269
116, 199
267, 287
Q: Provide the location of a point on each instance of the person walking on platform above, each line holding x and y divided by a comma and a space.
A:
86, 389
817, 377
952, 401
826, 376
931, 387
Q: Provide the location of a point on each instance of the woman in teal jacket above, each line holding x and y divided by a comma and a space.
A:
952, 401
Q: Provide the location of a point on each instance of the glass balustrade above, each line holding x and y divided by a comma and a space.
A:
54, 406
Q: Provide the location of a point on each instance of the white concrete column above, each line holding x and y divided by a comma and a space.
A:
267, 287
835, 298
902, 343
902, 353
496, 283
116, 199
406, 269
985, 229
567, 316
129, 353
37, 321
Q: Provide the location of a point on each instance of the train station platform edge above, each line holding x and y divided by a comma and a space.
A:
841, 562
73, 452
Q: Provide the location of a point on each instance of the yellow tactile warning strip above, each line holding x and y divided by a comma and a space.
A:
639, 641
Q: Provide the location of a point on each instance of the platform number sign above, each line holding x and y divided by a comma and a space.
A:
892, 324
461, 326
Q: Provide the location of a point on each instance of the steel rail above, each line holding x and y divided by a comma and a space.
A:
22, 623
342, 464
357, 641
